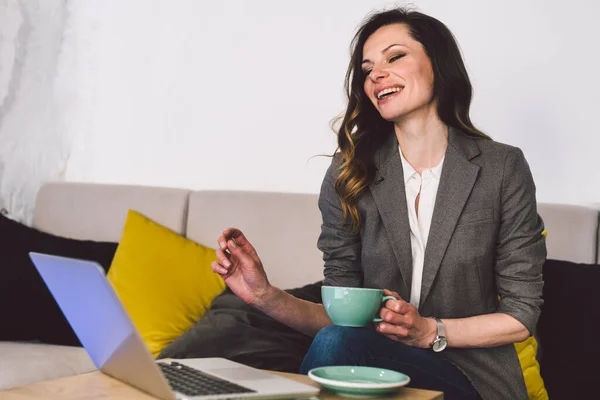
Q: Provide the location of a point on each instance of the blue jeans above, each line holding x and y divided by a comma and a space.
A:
338, 345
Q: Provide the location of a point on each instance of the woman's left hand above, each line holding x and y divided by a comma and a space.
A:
402, 322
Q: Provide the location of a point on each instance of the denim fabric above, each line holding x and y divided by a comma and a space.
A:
337, 345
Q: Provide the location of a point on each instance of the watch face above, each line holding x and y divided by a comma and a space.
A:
440, 344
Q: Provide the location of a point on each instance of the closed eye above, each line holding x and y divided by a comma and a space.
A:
366, 72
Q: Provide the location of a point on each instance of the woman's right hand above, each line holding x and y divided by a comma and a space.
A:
240, 267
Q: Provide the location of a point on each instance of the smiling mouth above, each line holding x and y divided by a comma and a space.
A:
387, 92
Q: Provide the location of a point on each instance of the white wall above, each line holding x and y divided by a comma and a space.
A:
33, 142
239, 94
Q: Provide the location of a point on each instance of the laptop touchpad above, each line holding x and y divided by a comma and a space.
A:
241, 373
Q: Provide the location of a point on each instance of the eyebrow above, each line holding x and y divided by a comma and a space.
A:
383, 51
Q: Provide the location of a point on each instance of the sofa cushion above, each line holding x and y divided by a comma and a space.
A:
28, 311
24, 363
240, 332
163, 280
98, 211
567, 328
573, 230
284, 227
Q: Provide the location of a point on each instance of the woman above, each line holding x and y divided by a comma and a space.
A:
420, 202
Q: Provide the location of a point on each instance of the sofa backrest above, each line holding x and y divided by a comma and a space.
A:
283, 227
98, 212
572, 232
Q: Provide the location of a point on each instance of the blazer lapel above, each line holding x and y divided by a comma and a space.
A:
456, 183
387, 189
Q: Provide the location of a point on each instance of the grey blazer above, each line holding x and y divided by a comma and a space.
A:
485, 241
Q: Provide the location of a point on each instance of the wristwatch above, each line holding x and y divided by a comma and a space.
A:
440, 342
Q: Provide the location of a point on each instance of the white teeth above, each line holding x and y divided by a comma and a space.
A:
387, 91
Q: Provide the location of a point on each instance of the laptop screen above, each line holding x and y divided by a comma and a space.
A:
88, 302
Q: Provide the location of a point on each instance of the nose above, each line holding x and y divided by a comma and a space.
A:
378, 74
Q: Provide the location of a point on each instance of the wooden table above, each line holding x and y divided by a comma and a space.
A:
96, 385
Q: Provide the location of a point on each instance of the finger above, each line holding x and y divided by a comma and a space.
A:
223, 272
231, 232
390, 329
222, 242
399, 306
226, 235
218, 268
240, 239
223, 258
387, 292
394, 318
406, 308
239, 252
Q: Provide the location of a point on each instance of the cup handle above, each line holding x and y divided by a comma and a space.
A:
383, 300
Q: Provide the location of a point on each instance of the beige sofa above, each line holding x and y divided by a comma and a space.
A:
283, 227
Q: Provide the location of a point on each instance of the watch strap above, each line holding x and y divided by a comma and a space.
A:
441, 331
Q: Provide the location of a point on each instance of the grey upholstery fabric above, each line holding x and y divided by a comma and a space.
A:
572, 232
98, 212
485, 240
23, 363
283, 227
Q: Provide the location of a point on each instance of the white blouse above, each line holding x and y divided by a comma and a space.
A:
426, 185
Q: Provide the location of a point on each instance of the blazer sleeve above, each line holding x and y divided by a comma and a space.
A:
521, 247
341, 246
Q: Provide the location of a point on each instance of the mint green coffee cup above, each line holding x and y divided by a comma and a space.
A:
350, 306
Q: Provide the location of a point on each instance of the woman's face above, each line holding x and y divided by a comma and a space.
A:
398, 73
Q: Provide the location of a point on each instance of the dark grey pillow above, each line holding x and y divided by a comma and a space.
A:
28, 312
239, 332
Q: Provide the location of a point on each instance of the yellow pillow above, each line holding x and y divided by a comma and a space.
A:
163, 280
526, 350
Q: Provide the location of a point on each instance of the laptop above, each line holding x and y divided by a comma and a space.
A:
99, 320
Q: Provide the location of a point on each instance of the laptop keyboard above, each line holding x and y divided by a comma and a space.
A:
192, 382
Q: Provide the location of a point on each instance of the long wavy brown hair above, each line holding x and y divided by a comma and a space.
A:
362, 129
